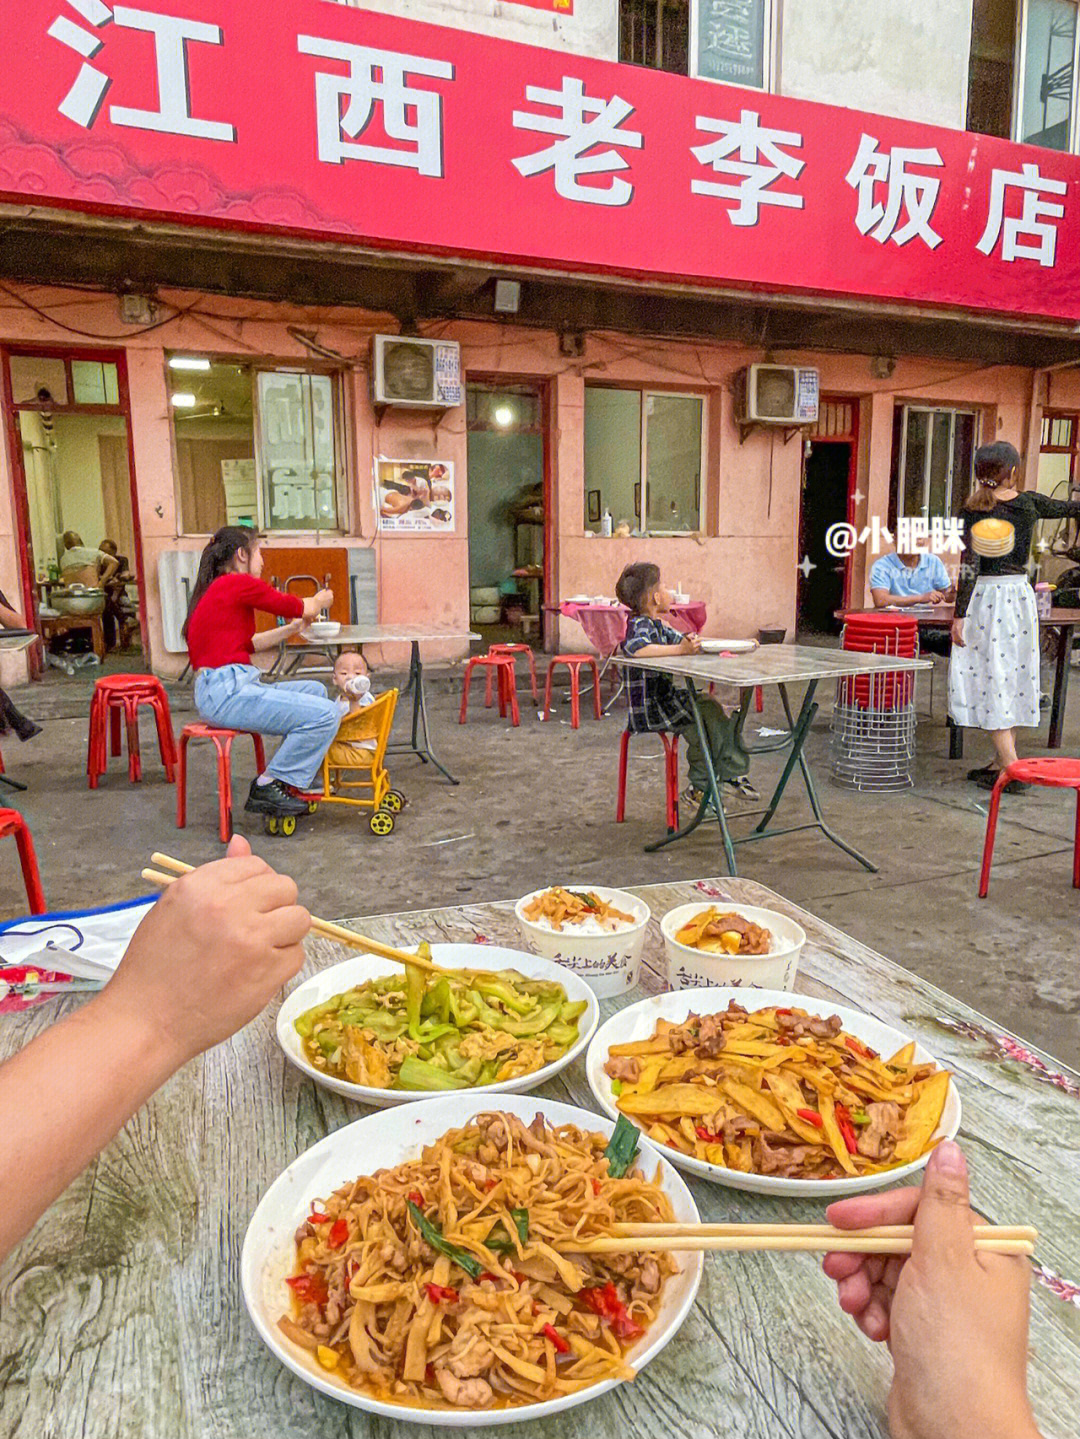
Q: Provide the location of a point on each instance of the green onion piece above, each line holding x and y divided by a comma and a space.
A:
433, 1236
500, 1241
622, 1147
616, 1087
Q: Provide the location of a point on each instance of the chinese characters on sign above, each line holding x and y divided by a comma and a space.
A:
348, 125
943, 534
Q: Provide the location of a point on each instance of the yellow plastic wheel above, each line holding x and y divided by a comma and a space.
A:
287, 824
312, 806
382, 822
394, 801
270, 823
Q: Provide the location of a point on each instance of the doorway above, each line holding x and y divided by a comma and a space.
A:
509, 560
68, 427
829, 477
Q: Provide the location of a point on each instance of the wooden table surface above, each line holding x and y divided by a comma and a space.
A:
773, 665
121, 1315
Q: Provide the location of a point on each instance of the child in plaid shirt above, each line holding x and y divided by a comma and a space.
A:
656, 702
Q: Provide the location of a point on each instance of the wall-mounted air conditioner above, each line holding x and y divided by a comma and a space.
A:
776, 395
415, 374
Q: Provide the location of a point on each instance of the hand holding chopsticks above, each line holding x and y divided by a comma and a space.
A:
323, 926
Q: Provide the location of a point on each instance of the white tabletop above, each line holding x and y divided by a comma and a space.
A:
374, 634
774, 665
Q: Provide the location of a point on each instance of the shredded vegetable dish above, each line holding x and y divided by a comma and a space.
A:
453, 1279
557, 907
722, 933
451, 1030
778, 1092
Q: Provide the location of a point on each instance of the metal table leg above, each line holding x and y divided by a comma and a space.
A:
420, 744
710, 795
15, 784
1061, 685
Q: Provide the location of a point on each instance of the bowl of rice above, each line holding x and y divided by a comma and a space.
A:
597, 932
719, 944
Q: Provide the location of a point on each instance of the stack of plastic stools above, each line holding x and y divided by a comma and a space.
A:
116, 698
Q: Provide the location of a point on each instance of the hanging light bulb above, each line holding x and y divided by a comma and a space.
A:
504, 415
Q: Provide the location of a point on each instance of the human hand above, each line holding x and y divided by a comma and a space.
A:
935, 597
691, 645
955, 1321
211, 952
956, 629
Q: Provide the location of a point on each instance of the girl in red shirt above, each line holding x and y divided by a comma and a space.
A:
230, 691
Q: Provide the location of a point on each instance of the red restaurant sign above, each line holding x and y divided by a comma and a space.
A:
320, 120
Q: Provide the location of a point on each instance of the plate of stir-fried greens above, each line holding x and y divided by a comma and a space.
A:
382, 1033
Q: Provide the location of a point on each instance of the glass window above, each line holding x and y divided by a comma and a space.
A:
731, 40
1049, 77
40, 378
273, 464
93, 383
937, 455
655, 33
643, 459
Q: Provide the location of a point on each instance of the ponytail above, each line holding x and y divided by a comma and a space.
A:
993, 465
217, 560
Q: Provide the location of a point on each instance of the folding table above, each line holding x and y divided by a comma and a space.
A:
779, 665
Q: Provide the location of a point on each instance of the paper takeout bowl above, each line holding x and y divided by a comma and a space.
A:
690, 968
608, 963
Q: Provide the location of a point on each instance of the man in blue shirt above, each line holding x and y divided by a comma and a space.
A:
918, 579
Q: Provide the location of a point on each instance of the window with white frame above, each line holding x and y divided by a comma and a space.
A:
256, 444
934, 461
728, 40
644, 459
1047, 70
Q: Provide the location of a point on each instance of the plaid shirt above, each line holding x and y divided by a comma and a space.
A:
655, 702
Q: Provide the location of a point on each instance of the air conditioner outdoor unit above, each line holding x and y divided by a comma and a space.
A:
415, 374
776, 395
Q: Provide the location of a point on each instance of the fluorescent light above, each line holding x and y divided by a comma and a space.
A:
188, 362
183, 400
504, 415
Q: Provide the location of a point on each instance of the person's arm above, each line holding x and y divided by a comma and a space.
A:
270, 639
108, 566
10, 619
688, 645
1050, 509
969, 573
955, 1320
886, 597
233, 930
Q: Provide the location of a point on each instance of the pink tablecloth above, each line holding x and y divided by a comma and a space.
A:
605, 625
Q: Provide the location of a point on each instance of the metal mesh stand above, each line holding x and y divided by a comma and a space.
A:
873, 749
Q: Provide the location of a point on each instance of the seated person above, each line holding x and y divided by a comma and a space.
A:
918, 579
118, 617
12, 718
353, 684
657, 703
80, 565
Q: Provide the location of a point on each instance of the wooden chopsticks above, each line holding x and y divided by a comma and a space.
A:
810, 1238
324, 926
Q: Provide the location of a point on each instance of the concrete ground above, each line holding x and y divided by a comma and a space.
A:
537, 804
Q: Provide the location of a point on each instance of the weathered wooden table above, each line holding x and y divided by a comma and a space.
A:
121, 1315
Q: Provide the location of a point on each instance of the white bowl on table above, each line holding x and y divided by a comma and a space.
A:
729, 647
324, 629
638, 1021
609, 963
363, 967
382, 1141
690, 968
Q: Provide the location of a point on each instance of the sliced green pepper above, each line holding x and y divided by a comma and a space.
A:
621, 1147
420, 1074
433, 1236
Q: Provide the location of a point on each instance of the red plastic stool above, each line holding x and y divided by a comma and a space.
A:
1050, 771
503, 668
222, 741
118, 696
671, 776
512, 650
12, 823
573, 663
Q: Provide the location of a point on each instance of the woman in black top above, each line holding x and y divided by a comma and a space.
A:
994, 667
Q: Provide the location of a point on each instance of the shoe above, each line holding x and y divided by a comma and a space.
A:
693, 797
978, 775
273, 798
28, 731
1015, 786
743, 787
989, 779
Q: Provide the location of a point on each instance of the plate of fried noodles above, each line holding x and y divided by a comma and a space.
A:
427, 1264
383, 1033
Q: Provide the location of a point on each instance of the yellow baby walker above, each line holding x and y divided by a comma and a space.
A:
354, 771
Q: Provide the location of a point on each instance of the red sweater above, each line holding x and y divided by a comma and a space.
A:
223, 622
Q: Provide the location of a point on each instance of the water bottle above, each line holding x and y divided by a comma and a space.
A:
1043, 593
605, 524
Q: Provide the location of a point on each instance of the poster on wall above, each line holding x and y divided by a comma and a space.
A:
731, 41
415, 496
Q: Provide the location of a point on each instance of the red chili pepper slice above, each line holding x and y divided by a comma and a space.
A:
846, 1128
536, 1307
785, 1011
550, 1332
707, 1135
521, 1278
417, 1198
812, 1117
440, 1294
309, 1287
489, 1185
487, 1275
862, 1050
605, 1301
623, 1327
596, 1186
314, 1218
339, 1232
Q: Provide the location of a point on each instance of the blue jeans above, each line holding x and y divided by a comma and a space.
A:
234, 697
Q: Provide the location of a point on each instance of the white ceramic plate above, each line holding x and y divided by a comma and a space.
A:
638, 1021
350, 972
381, 1141
732, 647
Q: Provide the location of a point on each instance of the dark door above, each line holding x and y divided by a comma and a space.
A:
822, 576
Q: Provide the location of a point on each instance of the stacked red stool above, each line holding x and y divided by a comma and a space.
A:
502, 666
511, 650
886, 633
1049, 770
116, 698
574, 664
222, 740
14, 826
671, 776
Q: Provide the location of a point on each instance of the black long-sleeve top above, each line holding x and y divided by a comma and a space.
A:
1022, 512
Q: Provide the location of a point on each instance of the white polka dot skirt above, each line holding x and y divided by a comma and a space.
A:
994, 675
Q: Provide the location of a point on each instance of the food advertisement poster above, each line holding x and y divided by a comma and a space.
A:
415, 496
